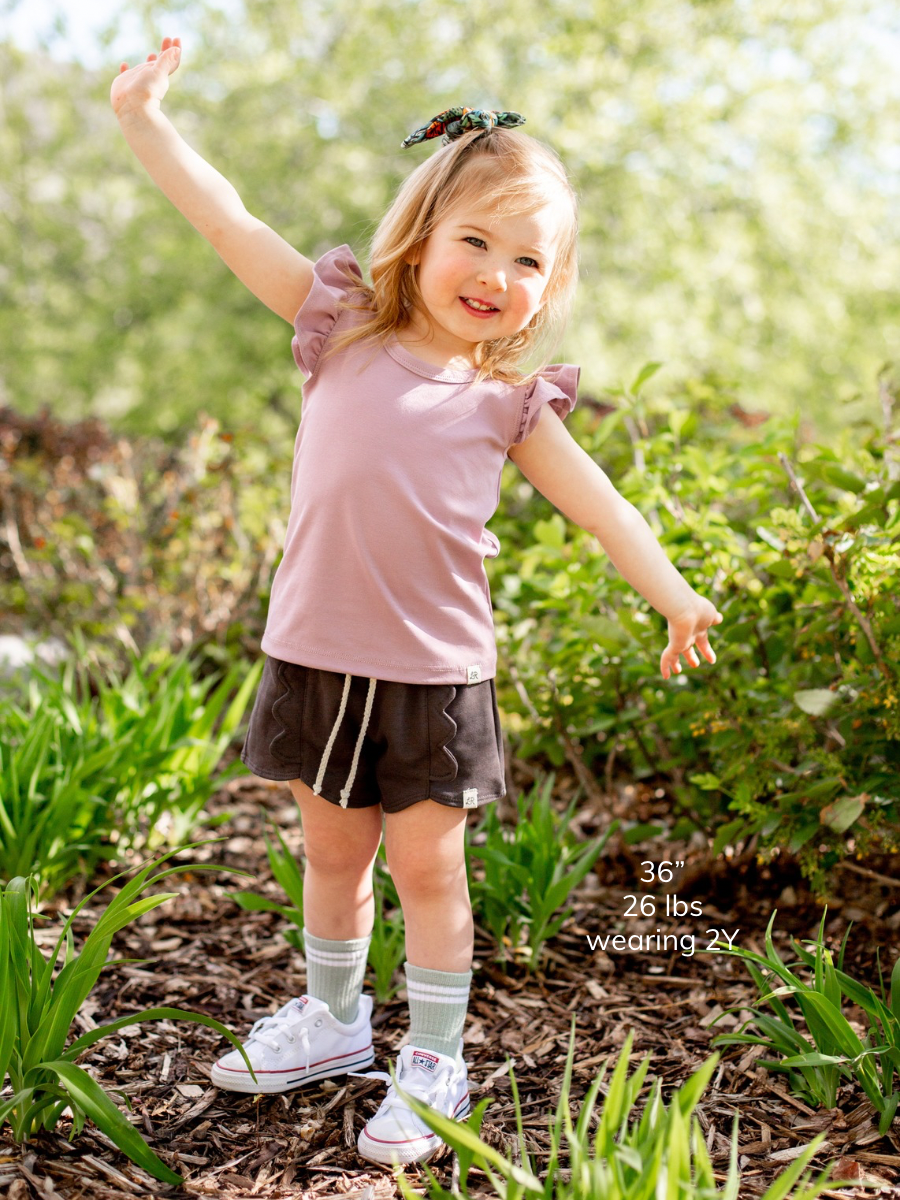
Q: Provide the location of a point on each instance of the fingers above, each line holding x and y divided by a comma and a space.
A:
670, 663
167, 44
702, 644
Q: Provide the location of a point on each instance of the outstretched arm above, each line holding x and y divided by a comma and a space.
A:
570, 479
269, 266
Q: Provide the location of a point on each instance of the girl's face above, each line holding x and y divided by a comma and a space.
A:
482, 276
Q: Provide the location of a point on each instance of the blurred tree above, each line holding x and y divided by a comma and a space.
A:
736, 161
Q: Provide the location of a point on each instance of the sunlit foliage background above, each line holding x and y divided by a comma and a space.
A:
737, 163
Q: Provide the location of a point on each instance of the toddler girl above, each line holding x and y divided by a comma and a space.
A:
377, 704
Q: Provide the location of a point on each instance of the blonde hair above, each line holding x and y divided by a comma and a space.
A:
524, 175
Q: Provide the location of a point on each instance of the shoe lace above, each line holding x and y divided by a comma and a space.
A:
431, 1092
269, 1029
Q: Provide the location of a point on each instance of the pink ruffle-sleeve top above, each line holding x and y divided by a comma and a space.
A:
396, 473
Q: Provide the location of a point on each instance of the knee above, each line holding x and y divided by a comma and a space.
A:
346, 857
418, 881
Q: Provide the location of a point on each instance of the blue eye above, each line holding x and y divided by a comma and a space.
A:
476, 241
531, 262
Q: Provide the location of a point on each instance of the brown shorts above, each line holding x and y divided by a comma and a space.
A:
421, 741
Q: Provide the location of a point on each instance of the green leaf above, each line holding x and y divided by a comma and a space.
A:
460, 1136
647, 371
841, 478
841, 814
782, 1186
706, 781
815, 701
551, 533
155, 1014
89, 1096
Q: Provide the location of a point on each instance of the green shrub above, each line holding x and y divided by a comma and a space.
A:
834, 1052
795, 734
37, 1011
93, 765
661, 1154
530, 870
135, 543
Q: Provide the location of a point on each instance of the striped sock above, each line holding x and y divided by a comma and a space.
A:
335, 972
438, 1001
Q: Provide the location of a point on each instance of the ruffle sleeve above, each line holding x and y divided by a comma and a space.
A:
557, 385
332, 276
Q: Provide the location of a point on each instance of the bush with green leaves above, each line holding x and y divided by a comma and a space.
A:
94, 763
834, 1052
530, 870
37, 1012
661, 1154
794, 735
136, 542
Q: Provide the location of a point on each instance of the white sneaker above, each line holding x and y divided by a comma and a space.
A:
301, 1043
395, 1135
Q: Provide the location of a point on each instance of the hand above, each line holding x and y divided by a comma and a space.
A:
687, 634
147, 82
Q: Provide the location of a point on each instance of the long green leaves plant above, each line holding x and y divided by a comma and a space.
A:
37, 1011
92, 765
530, 870
660, 1155
833, 1052
286, 870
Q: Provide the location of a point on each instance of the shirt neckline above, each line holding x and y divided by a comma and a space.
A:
447, 374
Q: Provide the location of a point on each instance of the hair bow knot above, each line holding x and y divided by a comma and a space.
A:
454, 122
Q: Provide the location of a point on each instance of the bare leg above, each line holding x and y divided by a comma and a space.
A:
425, 847
340, 846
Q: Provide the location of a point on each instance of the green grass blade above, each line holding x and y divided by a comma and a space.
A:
286, 870
456, 1134
106, 1116
154, 1014
785, 1182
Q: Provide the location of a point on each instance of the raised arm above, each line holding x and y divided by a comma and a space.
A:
570, 479
269, 266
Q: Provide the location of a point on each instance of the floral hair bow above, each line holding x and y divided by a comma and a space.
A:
454, 122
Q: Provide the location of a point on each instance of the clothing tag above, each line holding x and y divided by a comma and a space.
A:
301, 1002
421, 1058
473, 673
470, 798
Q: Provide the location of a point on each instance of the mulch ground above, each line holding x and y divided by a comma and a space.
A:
208, 955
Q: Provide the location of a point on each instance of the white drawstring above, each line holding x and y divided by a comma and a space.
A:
370, 696
317, 786
345, 792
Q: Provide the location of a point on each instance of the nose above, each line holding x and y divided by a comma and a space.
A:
492, 275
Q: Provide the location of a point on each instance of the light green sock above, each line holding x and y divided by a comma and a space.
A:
335, 973
438, 1002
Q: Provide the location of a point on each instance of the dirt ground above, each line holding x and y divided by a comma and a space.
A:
208, 955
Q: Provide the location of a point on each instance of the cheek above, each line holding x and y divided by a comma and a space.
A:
453, 266
532, 294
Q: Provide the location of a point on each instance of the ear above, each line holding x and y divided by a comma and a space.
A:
412, 256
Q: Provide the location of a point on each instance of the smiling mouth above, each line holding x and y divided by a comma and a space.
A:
478, 306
